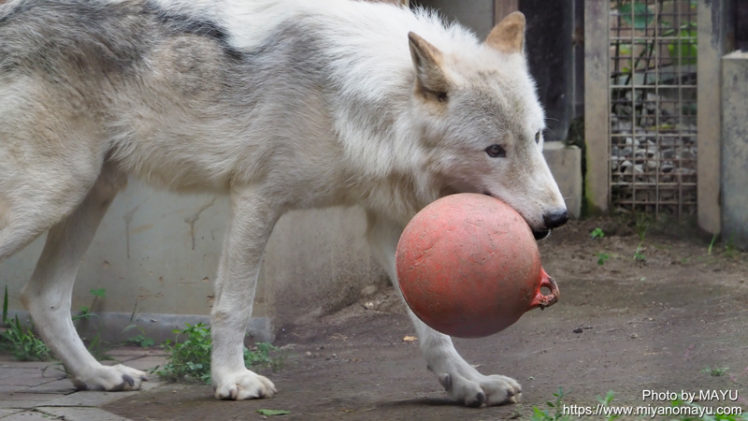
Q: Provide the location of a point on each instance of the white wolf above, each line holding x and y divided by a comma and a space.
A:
282, 104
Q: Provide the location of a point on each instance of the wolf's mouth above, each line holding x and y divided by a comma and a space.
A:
538, 234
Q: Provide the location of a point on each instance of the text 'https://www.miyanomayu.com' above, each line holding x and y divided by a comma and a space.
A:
711, 402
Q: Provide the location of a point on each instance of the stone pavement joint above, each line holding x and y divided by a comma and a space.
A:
28, 391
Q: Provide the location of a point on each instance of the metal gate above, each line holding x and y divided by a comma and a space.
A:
652, 88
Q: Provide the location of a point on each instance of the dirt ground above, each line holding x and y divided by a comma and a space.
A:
654, 323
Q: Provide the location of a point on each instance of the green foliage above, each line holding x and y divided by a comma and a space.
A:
554, 411
639, 253
95, 345
5, 305
140, 339
605, 401
189, 355
602, 257
84, 313
97, 348
259, 356
716, 371
22, 342
642, 223
189, 359
19, 340
685, 51
597, 233
273, 412
711, 244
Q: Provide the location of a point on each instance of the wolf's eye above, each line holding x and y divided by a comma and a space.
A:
496, 151
537, 137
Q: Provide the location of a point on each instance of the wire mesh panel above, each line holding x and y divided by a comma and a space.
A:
653, 53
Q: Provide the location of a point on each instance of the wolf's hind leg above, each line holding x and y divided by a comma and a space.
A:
461, 380
48, 294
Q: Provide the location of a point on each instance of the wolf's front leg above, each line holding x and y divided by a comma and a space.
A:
252, 221
461, 380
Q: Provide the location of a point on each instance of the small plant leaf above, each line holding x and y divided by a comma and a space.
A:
5, 306
273, 412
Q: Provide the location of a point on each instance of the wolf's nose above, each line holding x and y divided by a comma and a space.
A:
555, 219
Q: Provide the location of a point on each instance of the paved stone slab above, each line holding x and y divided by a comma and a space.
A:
147, 363
62, 386
17, 376
82, 414
30, 416
89, 398
25, 400
151, 384
4, 412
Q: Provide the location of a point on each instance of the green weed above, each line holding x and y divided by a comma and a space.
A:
711, 244
602, 257
605, 401
85, 313
20, 340
140, 339
639, 253
554, 411
716, 371
642, 223
730, 250
5, 305
189, 355
597, 233
273, 412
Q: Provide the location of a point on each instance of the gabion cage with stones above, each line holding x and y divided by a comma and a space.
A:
653, 52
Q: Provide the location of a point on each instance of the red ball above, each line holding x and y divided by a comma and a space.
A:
468, 266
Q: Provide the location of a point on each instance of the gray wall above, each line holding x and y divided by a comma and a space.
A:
475, 14
735, 149
156, 254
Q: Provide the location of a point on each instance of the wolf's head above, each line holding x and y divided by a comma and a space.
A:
483, 125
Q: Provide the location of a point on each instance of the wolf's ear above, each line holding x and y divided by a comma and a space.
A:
427, 59
508, 36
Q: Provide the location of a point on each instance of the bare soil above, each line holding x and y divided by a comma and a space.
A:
626, 325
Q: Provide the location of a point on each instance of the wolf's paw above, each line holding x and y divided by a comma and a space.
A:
242, 385
111, 378
480, 390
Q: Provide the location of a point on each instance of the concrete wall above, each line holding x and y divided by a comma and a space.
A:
735, 149
566, 166
475, 14
715, 23
156, 254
